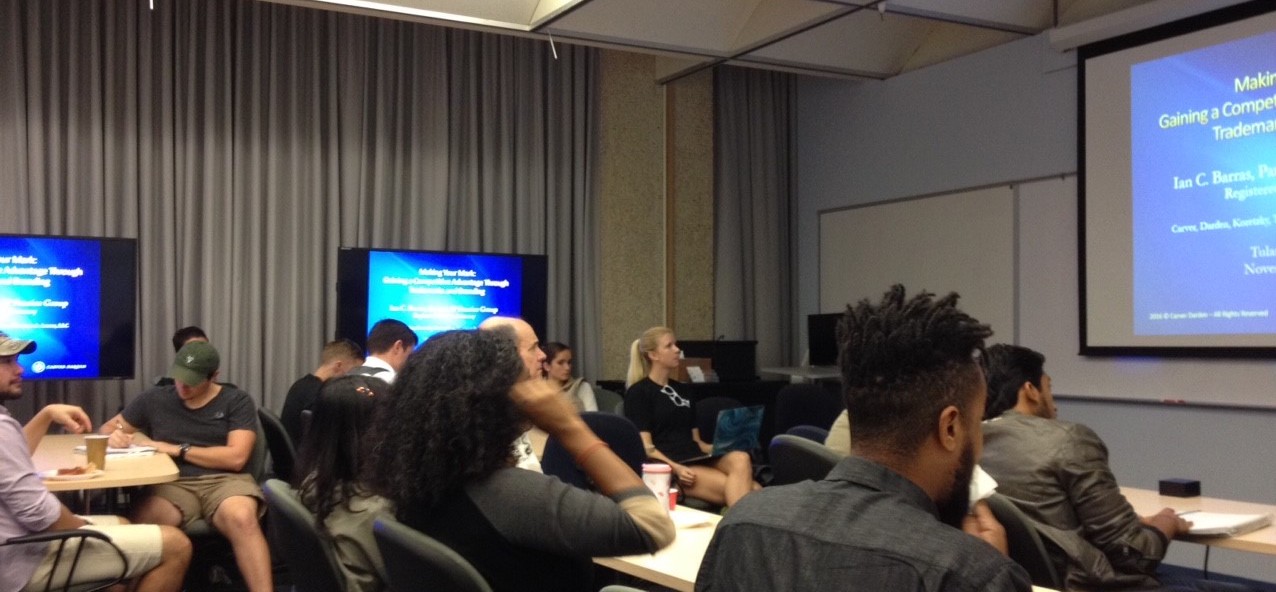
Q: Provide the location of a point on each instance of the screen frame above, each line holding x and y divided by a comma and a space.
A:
124, 320
352, 288
1084, 53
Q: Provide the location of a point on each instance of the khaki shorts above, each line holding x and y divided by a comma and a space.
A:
199, 497
141, 543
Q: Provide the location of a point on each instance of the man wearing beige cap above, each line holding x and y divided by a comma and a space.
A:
209, 429
157, 555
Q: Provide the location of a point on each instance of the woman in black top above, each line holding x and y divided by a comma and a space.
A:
666, 423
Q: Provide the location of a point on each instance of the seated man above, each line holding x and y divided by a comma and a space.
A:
390, 342
209, 429
891, 516
337, 358
1057, 473
157, 555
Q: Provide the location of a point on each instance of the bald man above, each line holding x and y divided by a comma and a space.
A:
529, 348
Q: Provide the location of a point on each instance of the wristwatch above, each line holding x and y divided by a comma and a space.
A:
182, 450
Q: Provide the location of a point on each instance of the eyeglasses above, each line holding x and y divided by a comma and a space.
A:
678, 400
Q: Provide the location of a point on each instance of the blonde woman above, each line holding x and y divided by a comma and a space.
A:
660, 408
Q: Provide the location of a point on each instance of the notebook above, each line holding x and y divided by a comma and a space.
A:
135, 449
737, 429
1222, 524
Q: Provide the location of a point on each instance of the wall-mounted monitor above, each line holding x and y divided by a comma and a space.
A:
77, 298
434, 291
821, 338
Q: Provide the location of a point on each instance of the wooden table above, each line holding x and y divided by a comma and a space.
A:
55, 452
674, 566
1263, 540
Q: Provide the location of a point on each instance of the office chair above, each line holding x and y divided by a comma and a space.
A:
1025, 543
795, 459
618, 432
414, 561
283, 454
61, 537
806, 404
608, 400
311, 560
810, 432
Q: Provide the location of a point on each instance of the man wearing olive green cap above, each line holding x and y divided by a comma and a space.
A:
209, 429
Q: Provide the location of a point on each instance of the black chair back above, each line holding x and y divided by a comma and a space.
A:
810, 432
283, 454
618, 432
414, 561
1026, 546
707, 410
806, 404
61, 538
311, 560
795, 459
607, 400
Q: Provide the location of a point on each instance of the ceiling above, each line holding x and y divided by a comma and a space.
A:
858, 39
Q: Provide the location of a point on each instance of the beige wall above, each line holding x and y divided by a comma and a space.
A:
656, 160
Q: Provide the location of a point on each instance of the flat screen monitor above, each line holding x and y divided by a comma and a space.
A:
77, 298
434, 291
821, 338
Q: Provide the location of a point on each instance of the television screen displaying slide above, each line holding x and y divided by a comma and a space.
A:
1179, 188
433, 291
77, 298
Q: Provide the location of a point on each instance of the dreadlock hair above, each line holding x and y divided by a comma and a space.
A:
903, 361
448, 419
1007, 368
333, 448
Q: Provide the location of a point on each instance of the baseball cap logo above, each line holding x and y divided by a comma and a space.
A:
190, 359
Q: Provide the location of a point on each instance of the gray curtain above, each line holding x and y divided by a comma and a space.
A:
754, 292
242, 142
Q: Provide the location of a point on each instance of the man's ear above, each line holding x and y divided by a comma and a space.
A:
215, 375
949, 428
1029, 394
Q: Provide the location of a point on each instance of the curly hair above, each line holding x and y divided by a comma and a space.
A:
328, 466
903, 361
448, 419
1007, 368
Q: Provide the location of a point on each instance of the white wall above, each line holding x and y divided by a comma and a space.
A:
1002, 116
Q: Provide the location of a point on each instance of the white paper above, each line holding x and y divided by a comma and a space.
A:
1217, 523
136, 449
982, 485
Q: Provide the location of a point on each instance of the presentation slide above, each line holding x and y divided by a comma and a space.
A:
1178, 154
1203, 132
50, 290
433, 292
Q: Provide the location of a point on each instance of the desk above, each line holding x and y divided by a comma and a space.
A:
1263, 540
57, 451
674, 566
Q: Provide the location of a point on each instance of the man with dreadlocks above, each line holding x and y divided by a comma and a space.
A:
895, 514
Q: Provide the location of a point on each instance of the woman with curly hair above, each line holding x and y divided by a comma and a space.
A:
329, 466
666, 423
442, 455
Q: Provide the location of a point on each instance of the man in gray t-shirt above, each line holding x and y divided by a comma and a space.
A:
209, 429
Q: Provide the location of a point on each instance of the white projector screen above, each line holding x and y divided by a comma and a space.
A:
1178, 188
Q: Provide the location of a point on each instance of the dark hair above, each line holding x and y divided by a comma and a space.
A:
551, 350
1007, 367
340, 349
332, 450
186, 334
448, 419
903, 361
387, 331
